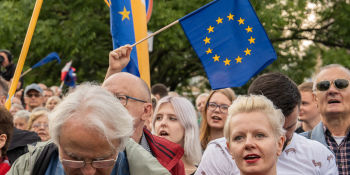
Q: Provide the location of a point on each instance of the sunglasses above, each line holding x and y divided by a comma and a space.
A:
338, 83
33, 95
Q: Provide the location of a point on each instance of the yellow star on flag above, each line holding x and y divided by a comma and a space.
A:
210, 29
227, 62
247, 52
209, 51
125, 14
219, 20
238, 60
241, 21
251, 40
216, 58
230, 17
206, 40
249, 29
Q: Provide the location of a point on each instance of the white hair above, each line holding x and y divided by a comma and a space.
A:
256, 103
22, 114
186, 114
105, 114
328, 67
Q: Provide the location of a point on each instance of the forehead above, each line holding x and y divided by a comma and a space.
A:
121, 85
332, 74
219, 97
250, 120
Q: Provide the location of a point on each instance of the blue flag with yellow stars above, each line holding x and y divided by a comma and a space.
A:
129, 25
230, 42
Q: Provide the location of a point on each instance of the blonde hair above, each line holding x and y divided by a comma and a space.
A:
34, 116
205, 128
256, 103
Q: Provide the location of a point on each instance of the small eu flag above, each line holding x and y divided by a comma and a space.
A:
230, 42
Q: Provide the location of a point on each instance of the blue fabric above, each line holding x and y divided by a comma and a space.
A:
55, 167
70, 78
123, 32
121, 166
51, 57
228, 63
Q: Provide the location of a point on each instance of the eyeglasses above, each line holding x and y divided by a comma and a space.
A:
223, 108
33, 95
37, 125
338, 83
124, 99
95, 163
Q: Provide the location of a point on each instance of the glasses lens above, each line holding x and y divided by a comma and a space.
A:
103, 163
341, 83
323, 85
72, 164
122, 99
212, 106
224, 108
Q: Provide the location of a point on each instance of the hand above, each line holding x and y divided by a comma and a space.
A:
119, 58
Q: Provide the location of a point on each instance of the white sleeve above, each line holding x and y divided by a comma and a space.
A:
215, 161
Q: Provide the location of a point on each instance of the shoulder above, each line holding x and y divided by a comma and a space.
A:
140, 160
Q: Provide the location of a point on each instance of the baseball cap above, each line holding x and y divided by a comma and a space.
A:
33, 86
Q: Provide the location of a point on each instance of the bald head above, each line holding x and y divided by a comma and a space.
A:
129, 84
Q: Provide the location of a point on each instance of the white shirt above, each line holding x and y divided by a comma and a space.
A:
304, 156
217, 160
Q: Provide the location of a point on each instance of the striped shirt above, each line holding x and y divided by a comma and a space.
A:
341, 151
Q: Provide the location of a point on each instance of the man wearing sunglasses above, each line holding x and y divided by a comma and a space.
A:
135, 95
332, 93
90, 130
33, 96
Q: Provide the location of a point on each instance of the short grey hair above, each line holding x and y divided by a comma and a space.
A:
22, 114
109, 117
256, 103
186, 114
329, 67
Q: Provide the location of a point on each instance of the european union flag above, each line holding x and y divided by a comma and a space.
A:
128, 25
230, 42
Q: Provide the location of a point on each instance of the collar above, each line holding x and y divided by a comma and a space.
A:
144, 143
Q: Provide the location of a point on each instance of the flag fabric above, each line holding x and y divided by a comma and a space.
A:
129, 25
68, 75
230, 42
51, 57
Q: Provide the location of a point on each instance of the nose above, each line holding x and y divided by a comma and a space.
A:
163, 122
249, 143
332, 90
88, 170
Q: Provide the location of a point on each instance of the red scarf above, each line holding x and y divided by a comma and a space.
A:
4, 165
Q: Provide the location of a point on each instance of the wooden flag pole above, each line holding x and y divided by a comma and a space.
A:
24, 52
155, 33
25, 72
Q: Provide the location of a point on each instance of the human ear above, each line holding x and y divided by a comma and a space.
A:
280, 143
3, 138
147, 111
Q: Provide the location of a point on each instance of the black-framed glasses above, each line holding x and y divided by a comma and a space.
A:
223, 108
95, 163
124, 99
338, 83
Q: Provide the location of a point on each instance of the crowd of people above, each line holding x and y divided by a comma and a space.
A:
123, 127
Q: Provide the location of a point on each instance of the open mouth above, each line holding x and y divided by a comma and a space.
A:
251, 157
333, 101
216, 118
163, 133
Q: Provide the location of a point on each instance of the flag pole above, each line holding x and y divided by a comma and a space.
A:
24, 52
155, 33
27, 71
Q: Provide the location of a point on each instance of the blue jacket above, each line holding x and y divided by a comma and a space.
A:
316, 134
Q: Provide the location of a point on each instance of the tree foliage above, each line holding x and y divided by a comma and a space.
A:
79, 30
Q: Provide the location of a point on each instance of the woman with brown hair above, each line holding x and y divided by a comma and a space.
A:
214, 115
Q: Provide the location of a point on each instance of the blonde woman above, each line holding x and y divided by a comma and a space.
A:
39, 123
175, 120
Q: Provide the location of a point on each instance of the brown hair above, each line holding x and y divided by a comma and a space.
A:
204, 129
6, 127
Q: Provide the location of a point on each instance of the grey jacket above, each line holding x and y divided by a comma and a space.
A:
316, 134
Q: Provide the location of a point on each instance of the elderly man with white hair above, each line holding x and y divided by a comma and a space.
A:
90, 129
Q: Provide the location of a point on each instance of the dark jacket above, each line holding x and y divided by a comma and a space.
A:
168, 154
18, 144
